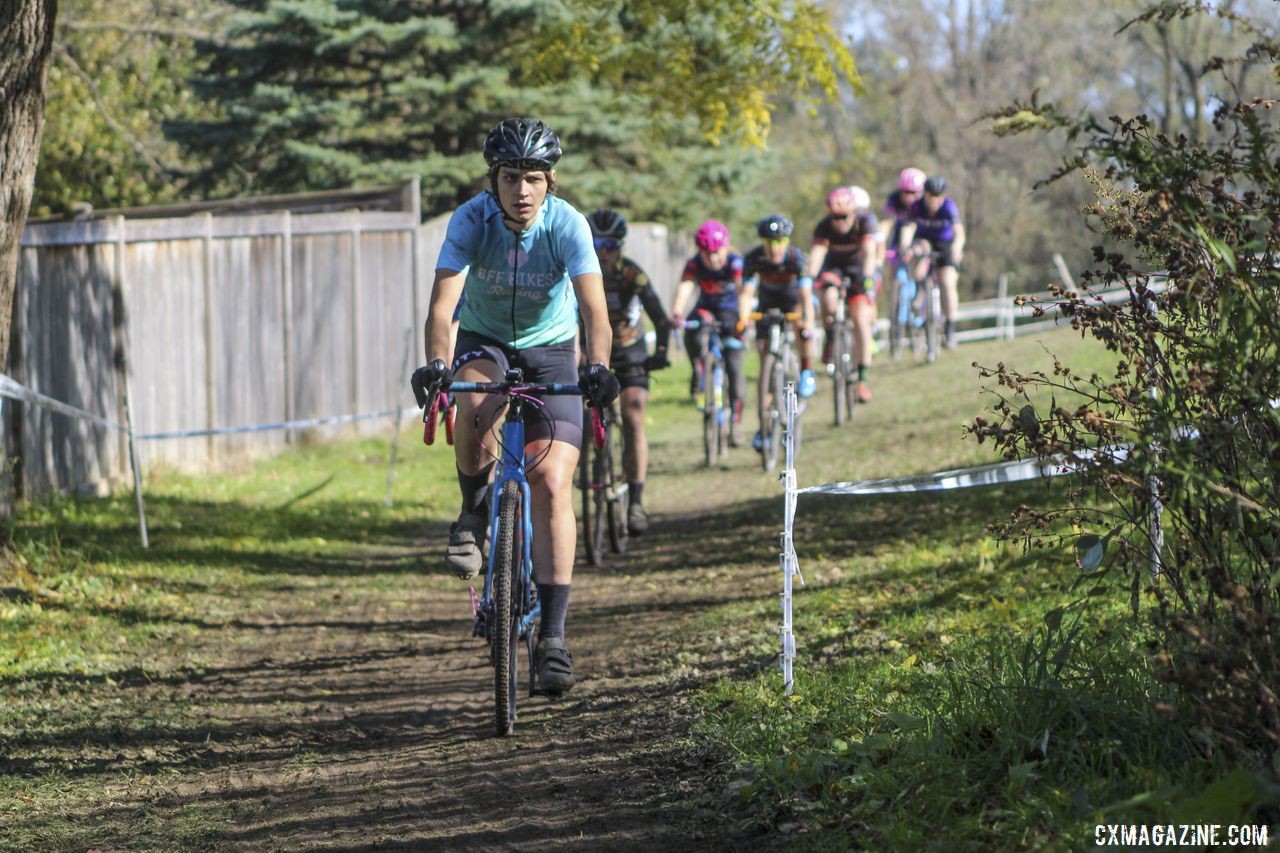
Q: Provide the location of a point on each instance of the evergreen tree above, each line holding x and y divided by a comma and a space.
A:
315, 94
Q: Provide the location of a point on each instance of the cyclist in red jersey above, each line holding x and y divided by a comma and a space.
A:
844, 248
716, 274
627, 290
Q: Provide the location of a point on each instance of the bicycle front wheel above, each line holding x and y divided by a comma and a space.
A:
506, 632
587, 482
617, 494
933, 320
710, 411
773, 438
840, 359
897, 328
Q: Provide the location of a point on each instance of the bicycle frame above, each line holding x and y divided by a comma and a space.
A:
782, 368
509, 468
716, 414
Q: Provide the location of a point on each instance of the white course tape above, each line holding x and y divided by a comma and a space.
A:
16, 391
300, 424
964, 478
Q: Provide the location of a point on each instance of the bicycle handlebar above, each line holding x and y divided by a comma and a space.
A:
430, 411
790, 315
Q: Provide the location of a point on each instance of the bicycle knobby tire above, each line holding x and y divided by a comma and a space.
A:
504, 636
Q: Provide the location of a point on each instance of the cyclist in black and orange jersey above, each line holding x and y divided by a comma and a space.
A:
844, 248
716, 274
627, 290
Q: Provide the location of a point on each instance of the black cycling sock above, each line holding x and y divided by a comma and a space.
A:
554, 598
636, 490
862, 372
948, 326
475, 491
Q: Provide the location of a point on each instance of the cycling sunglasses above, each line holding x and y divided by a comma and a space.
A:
608, 244
773, 242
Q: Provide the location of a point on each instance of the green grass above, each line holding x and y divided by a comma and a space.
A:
952, 691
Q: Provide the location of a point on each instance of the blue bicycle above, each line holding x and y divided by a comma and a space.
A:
716, 413
505, 611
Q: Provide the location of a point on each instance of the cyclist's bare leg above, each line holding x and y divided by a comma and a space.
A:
555, 528
635, 444
471, 456
473, 449
863, 313
949, 278
830, 303
763, 389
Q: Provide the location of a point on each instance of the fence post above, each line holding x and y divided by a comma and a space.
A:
210, 363
120, 333
286, 303
787, 559
1004, 316
357, 315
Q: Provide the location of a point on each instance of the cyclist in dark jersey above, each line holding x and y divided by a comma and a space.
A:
716, 274
627, 291
524, 260
845, 250
936, 227
778, 271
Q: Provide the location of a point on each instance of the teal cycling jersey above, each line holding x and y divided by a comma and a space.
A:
528, 273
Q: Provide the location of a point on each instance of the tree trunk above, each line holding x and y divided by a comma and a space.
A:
26, 36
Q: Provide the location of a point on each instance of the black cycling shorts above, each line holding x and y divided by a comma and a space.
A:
628, 364
558, 417
946, 257
786, 301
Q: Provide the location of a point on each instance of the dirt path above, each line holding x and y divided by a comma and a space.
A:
341, 717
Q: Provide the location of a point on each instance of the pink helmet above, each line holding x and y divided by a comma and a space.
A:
841, 200
711, 236
911, 179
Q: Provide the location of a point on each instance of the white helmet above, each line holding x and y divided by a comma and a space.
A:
861, 198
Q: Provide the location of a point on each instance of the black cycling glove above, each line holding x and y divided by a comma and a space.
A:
599, 386
657, 361
429, 379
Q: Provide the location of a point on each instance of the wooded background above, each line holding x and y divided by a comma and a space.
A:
153, 101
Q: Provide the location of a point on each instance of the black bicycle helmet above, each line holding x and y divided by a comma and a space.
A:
936, 185
607, 223
774, 227
522, 143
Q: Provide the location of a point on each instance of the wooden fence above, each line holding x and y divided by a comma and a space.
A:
210, 322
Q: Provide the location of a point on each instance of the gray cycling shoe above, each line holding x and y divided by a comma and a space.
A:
637, 519
554, 665
465, 555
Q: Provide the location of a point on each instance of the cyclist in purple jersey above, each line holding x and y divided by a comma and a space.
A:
935, 227
844, 249
627, 293
897, 214
715, 273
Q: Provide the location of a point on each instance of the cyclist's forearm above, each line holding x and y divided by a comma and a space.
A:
595, 317
444, 299
816, 257
679, 305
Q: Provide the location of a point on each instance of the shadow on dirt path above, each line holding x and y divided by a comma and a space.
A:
344, 718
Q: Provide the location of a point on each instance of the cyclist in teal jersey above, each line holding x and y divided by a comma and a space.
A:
524, 260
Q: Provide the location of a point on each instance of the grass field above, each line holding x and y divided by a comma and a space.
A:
952, 691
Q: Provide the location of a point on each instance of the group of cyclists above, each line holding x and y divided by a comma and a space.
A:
521, 272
